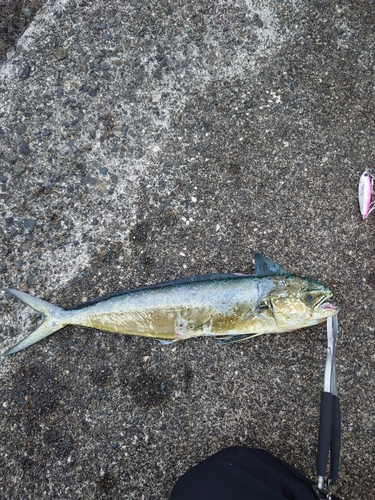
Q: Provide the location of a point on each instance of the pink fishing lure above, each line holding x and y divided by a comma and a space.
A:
365, 192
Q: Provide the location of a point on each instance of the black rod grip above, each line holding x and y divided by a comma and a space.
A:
335, 439
325, 427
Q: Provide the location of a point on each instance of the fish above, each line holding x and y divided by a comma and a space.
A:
365, 192
229, 306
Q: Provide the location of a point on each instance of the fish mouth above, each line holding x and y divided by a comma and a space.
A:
328, 306
324, 305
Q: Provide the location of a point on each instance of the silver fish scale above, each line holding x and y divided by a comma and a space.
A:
179, 311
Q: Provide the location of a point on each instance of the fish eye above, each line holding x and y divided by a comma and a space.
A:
365, 174
309, 297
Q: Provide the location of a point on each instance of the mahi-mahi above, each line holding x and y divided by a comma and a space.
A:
230, 306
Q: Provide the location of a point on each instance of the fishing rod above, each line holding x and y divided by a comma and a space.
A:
330, 420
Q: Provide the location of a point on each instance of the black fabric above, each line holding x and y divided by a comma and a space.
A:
239, 473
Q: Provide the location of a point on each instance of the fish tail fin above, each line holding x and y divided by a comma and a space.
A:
54, 319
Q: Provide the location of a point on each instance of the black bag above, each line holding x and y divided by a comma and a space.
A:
239, 473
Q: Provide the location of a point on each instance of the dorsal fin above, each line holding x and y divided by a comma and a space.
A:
267, 267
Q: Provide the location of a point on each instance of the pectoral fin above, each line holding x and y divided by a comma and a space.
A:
229, 339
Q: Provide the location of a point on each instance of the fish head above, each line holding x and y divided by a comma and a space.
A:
298, 302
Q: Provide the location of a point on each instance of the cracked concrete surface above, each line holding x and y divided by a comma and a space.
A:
142, 141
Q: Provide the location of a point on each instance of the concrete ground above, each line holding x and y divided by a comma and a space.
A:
145, 140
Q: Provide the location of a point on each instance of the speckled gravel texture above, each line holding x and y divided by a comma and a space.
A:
15, 17
145, 140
